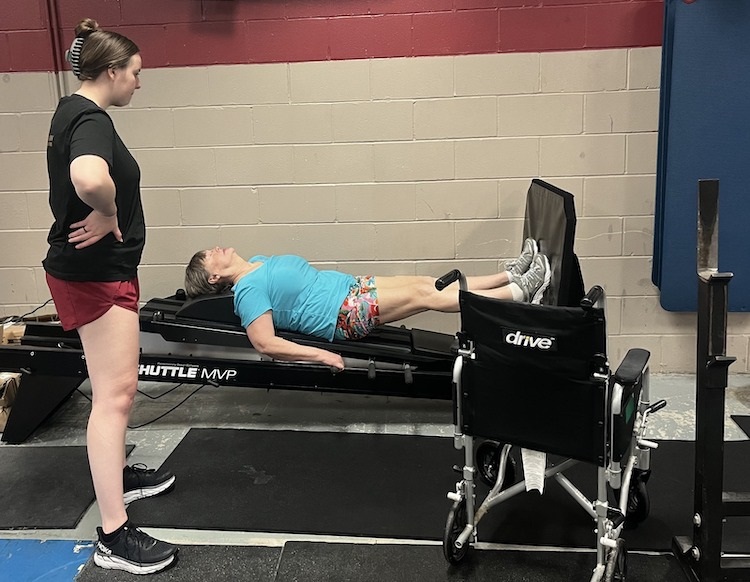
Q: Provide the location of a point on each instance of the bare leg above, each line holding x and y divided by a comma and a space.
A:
403, 296
482, 282
110, 345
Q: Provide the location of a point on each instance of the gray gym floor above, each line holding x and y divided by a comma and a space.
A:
227, 407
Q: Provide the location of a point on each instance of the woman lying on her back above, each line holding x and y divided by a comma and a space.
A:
286, 292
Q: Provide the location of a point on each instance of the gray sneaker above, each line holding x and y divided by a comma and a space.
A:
520, 265
535, 281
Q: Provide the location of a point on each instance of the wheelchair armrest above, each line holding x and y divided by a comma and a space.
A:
632, 366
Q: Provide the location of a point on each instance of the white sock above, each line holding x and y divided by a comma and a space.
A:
510, 276
516, 291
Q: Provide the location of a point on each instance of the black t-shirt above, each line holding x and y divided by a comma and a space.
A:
79, 127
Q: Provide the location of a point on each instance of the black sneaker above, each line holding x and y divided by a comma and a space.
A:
134, 551
140, 482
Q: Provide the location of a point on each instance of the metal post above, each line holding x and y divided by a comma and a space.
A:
701, 560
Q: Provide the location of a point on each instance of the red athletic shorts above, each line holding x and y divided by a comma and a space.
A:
81, 302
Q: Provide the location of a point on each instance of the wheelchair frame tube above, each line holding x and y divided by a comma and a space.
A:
460, 440
644, 455
457, 431
576, 494
468, 475
601, 514
519, 487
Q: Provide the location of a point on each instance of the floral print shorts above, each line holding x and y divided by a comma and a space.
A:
359, 313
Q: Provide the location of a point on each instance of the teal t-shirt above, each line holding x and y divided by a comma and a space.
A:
301, 298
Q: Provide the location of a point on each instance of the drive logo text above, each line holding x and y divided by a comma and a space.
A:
527, 340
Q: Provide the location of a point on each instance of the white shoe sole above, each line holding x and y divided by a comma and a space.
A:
142, 493
117, 563
547, 278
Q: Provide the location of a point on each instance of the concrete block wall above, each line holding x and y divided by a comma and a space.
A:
377, 165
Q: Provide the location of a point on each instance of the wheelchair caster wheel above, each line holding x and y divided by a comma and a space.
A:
639, 504
617, 563
488, 463
455, 524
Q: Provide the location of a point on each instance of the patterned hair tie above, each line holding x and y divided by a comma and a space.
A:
73, 54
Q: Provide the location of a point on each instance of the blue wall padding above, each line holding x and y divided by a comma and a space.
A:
704, 133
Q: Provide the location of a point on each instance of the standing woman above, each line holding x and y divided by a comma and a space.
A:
95, 246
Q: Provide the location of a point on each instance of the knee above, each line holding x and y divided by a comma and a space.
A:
425, 292
114, 399
428, 288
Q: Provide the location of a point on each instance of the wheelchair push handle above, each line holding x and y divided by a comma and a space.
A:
593, 297
655, 407
448, 278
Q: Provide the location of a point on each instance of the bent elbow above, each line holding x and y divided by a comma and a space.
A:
263, 348
90, 176
88, 187
263, 351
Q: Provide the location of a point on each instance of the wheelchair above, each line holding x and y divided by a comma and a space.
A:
537, 377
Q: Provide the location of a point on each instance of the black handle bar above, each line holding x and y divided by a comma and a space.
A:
448, 278
595, 294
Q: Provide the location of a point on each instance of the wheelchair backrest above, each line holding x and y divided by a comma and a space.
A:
537, 377
565, 341
551, 220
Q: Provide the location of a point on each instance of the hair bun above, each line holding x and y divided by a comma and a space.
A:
86, 27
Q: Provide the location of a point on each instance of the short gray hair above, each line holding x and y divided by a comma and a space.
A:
196, 278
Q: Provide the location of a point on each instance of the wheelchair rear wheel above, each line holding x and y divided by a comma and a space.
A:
488, 464
639, 504
453, 527
617, 564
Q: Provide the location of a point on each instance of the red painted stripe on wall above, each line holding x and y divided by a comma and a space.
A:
203, 32
4, 53
372, 36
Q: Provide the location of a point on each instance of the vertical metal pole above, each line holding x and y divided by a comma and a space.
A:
711, 381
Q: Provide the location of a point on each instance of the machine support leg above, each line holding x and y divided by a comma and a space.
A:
38, 397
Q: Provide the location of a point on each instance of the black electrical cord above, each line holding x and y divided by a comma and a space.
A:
170, 410
14, 318
156, 398
147, 395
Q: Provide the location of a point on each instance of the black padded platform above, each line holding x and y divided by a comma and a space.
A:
210, 319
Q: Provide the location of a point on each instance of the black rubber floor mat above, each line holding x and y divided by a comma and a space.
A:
306, 482
44, 487
394, 486
319, 562
201, 564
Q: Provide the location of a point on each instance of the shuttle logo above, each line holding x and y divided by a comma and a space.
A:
527, 340
185, 372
